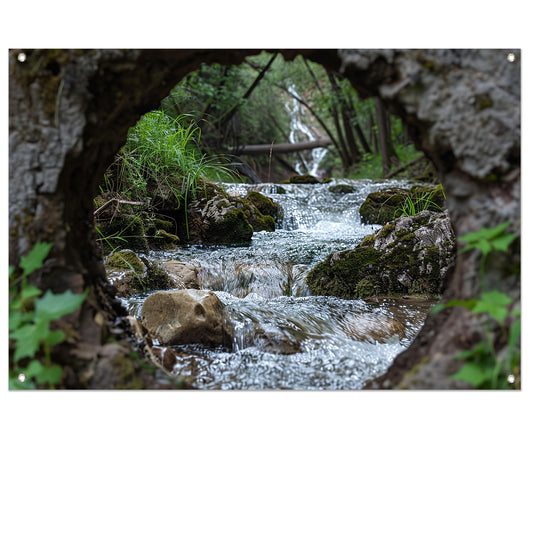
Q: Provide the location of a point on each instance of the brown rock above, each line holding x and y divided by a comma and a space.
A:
186, 316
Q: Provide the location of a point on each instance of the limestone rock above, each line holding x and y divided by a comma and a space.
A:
184, 275
411, 255
186, 316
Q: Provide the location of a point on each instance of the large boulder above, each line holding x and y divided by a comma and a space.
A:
410, 255
186, 316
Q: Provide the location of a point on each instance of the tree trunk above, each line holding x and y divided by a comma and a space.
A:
388, 154
280, 148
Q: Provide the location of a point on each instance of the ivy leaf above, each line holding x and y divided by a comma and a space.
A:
44, 374
53, 306
469, 304
34, 259
503, 242
494, 303
472, 373
55, 337
50, 374
27, 341
30, 291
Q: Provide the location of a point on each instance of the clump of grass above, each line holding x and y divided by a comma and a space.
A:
416, 204
163, 153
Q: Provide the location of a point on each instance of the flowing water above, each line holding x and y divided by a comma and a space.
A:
284, 337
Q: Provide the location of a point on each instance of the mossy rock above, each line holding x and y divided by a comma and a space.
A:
125, 260
384, 206
264, 204
303, 178
381, 207
231, 227
410, 255
342, 188
123, 230
162, 240
130, 274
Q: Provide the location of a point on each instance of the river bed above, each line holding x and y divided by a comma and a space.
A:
284, 337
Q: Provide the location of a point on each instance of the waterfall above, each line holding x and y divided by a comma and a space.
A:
299, 132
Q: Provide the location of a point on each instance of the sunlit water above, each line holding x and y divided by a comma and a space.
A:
284, 338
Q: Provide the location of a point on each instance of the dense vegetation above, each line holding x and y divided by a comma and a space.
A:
251, 104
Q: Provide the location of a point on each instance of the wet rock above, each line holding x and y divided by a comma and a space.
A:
130, 274
186, 316
184, 275
410, 255
304, 178
383, 206
342, 188
372, 328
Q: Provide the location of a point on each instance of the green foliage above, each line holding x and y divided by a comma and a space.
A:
162, 154
416, 204
487, 240
30, 316
484, 367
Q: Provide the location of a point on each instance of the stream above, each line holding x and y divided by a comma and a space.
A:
284, 337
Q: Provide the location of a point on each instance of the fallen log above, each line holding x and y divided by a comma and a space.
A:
281, 148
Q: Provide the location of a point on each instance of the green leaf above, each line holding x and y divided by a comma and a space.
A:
27, 341
53, 306
494, 303
11, 270
478, 350
34, 259
44, 374
503, 242
472, 373
16, 319
55, 337
34, 368
51, 375
469, 304
30, 291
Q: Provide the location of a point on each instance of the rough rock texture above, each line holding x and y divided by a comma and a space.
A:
130, 274
70, 111
215, 217
411, 255
186, 316
184, 275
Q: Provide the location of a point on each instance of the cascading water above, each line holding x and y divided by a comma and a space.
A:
284, 338
304, 164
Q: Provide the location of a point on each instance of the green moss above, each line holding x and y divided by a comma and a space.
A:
304, 178
264, 204
341, 189
125, 231
340, 277
232, 228
125, 260
364, 289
